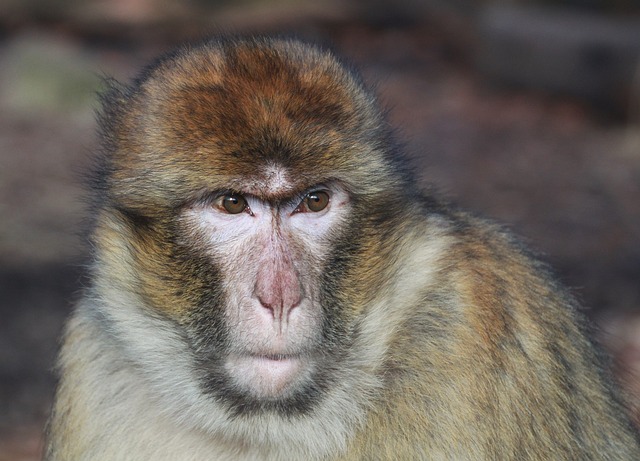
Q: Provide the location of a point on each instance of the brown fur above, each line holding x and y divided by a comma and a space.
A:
445, 339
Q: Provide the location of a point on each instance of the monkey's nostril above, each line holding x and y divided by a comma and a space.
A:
279, 308
267, 305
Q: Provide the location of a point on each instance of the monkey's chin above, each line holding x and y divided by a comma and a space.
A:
268, 376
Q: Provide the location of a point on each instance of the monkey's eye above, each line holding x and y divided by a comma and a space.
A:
315, 201
234, 203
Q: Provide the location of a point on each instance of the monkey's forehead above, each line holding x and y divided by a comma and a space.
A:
273, 112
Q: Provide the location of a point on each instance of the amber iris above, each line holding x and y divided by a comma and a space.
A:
234, 203
316, 201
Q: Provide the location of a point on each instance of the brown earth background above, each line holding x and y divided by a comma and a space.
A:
557, 164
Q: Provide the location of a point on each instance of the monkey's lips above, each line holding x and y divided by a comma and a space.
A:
268, 375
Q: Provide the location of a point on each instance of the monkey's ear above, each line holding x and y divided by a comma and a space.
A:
113, 98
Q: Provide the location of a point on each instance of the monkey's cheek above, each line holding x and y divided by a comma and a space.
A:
266, 377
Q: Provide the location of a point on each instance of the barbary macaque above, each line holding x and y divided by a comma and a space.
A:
270, 283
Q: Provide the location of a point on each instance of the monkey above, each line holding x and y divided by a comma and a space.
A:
270, 282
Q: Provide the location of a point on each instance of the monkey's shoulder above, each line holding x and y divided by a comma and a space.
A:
483, 293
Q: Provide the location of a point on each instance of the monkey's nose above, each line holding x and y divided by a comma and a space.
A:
278, 290
281, 307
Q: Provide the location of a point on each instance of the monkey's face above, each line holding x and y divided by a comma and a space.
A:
252, 181
272, 258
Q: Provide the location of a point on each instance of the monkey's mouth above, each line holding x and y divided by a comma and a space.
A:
275, 357
275, 364
268, 375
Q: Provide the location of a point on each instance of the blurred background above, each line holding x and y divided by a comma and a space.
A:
525, 111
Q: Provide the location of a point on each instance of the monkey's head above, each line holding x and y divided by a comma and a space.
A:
249, 197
